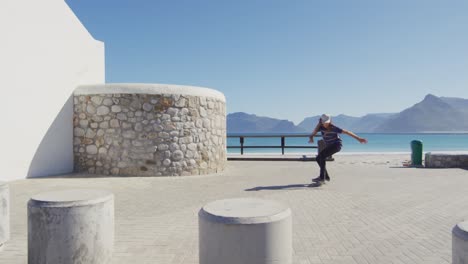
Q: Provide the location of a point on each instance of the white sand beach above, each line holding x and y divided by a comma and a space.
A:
362, 159
373, 158
374, 209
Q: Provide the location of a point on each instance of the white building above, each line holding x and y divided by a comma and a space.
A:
45, 54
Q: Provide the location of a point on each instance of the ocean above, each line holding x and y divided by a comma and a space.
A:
377, 143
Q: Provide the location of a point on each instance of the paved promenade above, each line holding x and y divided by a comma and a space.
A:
373, 210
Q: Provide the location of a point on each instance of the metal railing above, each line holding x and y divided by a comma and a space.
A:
282, 145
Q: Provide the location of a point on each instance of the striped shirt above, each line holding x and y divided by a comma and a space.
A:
330, 136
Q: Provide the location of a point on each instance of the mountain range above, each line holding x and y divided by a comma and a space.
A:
432, 114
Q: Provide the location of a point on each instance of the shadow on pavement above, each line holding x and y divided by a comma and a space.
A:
285, 187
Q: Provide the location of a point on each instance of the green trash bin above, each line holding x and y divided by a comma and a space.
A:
416, 152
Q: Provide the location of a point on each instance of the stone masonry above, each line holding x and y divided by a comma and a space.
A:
149, 134
446, 160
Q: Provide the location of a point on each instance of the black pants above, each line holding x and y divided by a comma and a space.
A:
322, 157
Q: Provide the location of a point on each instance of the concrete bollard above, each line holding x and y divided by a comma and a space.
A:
71, 226
245, 230
460, 243
4, 213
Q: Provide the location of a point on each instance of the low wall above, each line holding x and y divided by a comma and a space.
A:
446, 160
149, 130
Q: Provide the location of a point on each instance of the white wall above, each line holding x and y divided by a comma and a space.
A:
45, 54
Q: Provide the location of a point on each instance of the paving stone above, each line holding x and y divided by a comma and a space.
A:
368, 213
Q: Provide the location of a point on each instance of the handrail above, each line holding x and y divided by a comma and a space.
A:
282, 136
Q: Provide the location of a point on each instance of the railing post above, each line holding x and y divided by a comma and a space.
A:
282, 145
242, 145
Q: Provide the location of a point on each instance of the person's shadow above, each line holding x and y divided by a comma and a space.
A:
285, 187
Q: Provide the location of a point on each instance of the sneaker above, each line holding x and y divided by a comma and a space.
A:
317, 179
327, 177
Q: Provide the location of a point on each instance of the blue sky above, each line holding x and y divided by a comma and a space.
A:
289, 59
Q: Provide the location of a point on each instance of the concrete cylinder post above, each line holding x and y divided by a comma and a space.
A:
245, 230
4, 213
71, 226
460, 243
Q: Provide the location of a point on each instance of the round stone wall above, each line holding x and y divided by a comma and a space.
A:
149, 130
